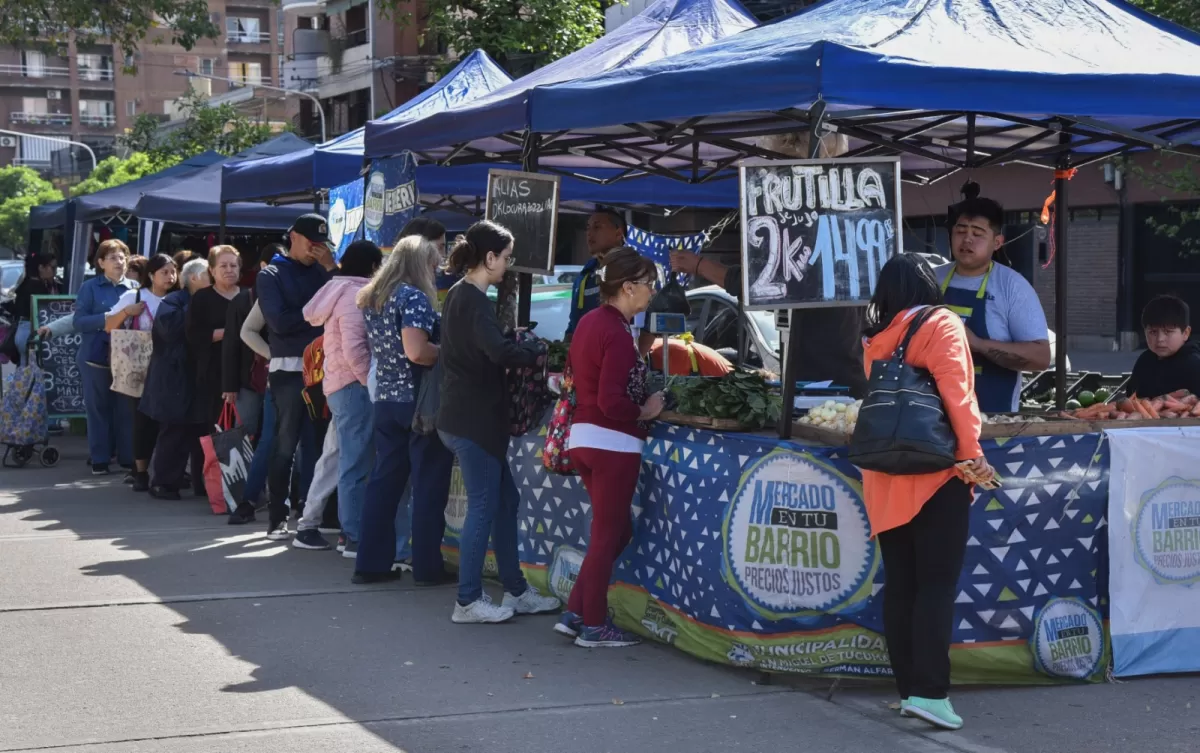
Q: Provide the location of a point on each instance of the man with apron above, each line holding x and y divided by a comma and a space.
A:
1006, 326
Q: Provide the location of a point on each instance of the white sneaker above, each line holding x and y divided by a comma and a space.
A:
279, 533
482, 610
531, 602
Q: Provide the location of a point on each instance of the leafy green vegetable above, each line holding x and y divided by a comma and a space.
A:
557, 355
739, 395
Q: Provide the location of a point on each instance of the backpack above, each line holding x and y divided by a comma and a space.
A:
313, 373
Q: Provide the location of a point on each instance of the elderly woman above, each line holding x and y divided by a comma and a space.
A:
206, 322
169, 396
109, 423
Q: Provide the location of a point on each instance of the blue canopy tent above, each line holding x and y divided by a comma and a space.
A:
298, 175
125, 197
950, 86
196, 201
665, 28
48, 216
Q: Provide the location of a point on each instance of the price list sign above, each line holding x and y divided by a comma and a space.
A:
815, 233
57, 357
526, 204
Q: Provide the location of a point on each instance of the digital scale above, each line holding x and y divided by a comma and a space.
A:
666, 325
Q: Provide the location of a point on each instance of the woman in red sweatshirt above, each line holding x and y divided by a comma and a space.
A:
607, 433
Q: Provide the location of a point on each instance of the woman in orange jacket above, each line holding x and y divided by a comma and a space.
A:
921, 519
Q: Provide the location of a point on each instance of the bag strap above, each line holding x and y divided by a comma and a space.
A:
913, 326
229, 417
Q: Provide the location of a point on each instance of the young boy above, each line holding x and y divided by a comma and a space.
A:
1170, 362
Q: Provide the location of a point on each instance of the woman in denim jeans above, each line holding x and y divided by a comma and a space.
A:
473, 422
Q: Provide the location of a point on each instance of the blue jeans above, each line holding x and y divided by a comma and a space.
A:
423, 464
492, 506
256, 477
109, 418
355, 421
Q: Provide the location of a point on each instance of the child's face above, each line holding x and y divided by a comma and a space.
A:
1166, 341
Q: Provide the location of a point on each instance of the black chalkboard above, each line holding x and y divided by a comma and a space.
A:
526, 204
816, 232
64, 383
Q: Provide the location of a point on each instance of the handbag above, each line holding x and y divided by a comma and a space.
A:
429, 397
528, 394
129, 356
228, 452
672, 299
902, 427
555, 455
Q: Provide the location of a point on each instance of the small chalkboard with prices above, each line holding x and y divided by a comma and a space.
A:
57, 357
526, 204
815, 233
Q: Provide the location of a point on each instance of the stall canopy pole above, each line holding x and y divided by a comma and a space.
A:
787, 378
221, 229
1061, 222
524, 279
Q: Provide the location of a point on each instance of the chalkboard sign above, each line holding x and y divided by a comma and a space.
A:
816, 232
64, 383
526, 204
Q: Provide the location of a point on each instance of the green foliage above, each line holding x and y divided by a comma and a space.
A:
22, 189
222, 129
1177, 180
510, 30
114, 171
125, 23
741, 395
1183, 12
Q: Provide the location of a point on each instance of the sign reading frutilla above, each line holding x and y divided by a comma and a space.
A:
526, 204
816, 232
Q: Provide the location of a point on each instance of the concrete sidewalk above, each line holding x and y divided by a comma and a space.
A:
133, 625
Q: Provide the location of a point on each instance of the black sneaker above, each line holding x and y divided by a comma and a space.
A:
444, 579
100, 469
141, 482
310, 539
242, 515
278, 532
162, 492
363, 579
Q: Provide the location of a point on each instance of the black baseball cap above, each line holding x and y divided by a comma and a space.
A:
311, 226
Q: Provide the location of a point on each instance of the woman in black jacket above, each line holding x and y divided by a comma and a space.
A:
169, 396
243, 372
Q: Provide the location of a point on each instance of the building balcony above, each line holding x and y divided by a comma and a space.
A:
61, 120
95, 77
238, 83
248, 37
98, 121
26, 75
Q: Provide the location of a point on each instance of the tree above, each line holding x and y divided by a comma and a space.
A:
22, 189
124, 23
1183, 12
114, 171
511, 31
221, 129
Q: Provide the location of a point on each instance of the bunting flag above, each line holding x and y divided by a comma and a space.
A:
659, 247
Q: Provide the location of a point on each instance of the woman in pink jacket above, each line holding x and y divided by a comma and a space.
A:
347, 364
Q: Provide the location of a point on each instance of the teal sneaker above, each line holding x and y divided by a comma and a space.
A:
938, 712
903, 703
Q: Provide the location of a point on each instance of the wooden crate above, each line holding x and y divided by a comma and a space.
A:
703, 422
819, 434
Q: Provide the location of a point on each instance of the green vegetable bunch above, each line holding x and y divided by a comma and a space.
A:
556, 356
739, 395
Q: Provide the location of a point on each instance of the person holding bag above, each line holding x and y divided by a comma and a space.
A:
404, 331
919, 419
129, 323
109, 424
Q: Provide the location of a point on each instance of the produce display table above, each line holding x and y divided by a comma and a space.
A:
755, 552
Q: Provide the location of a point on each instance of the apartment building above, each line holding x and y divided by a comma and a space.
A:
91, 93
357, 62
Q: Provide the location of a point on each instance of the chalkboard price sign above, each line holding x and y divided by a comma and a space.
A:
64, 383
815, 233
526, 204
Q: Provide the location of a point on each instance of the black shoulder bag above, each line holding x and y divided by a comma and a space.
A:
902, 427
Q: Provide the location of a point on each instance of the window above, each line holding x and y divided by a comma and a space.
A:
247, 73
356, 26
242, 29
94, 67
35, 105
207, 65
131, 107
129, 61
97, 112
35, 64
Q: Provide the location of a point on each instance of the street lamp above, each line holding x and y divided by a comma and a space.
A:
55, 138
320, 110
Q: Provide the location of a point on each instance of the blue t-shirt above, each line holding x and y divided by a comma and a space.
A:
408, 307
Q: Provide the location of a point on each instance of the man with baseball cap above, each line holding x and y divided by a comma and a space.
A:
283, 288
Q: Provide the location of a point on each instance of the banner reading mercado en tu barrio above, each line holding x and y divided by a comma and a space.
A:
390, 199
1154, 550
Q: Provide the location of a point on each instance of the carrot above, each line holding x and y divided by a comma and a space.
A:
1140, 407
1174, 405
1156, 404
1119, 415
1169, 414
1125, 406
1179, 394
1151, 408
1191, 401
1196, 410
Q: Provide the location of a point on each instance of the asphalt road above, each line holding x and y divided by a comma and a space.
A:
130, 625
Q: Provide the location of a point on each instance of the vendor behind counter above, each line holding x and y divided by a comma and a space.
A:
1171, 361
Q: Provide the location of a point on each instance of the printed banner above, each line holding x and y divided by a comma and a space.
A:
345, 216
1154, 540
390, 199
659, 248
756, 552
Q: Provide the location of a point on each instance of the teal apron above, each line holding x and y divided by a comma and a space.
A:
994, 384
